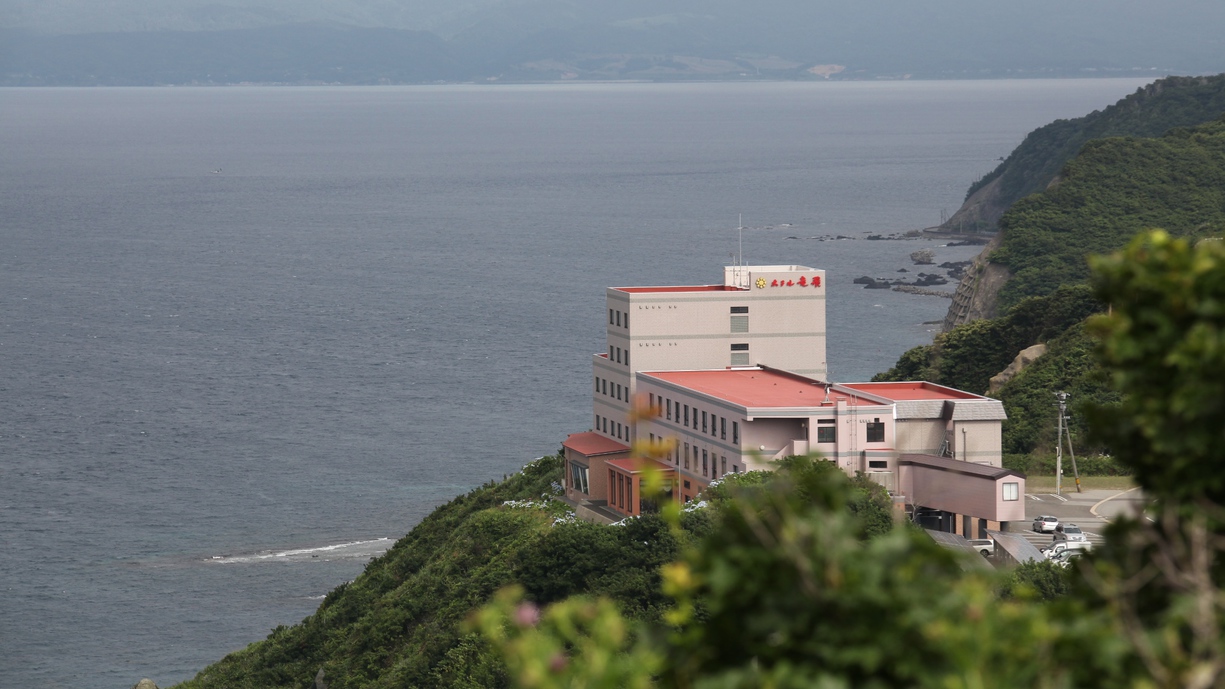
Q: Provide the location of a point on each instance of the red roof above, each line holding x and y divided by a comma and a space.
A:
635, 465
913, 390
689, 288
590, 444
758, 388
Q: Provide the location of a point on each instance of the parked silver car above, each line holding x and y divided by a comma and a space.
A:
1073, 533
1045, 523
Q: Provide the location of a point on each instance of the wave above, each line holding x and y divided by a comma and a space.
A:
352, 549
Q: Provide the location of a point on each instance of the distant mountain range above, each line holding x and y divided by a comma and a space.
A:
135, 42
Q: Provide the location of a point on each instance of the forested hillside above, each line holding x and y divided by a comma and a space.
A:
1114, 189
1149, 112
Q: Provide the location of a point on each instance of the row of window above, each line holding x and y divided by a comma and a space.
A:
618, 318
708, 423
618, 355
713, 466
827, 432
613, 428
614, 390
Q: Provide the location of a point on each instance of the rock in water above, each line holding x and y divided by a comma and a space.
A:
145, 683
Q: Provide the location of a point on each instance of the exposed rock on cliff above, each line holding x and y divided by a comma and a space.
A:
1027, 356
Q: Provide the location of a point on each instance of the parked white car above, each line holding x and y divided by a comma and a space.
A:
986, 546
1045, 523
1066, 549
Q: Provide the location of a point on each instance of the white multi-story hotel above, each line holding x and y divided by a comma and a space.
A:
734, 377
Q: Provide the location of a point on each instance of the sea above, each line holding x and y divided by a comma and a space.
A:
249, 336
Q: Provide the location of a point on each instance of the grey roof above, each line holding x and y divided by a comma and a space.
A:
1017, 546
983, 409
978, 410
957, 466
920, 409
958, 542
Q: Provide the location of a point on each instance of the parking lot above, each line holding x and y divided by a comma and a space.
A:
1090, 510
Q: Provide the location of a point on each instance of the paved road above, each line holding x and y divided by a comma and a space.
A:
1090, 510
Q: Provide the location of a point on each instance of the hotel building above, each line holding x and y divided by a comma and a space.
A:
734, 375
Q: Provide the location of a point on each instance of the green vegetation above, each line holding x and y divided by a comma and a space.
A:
1113, 190
1149, 112
399, 623
786, 592
968, 356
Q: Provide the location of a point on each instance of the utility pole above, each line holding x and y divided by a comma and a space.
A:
1063, 418
1062, 397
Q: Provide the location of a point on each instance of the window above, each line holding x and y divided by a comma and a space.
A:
617, 390
597, 422
618, 318
878, 464
597, 385
621, 490
735, 469
735, 433
1010, 491
651, 401
686, 416
740, 309
740, 324
610, 316
723, 429
876, 431
827, 432
705, 463
686, 457
629, 493
703, 422
686, 485
723, 464
627, 358
668, 407
605, 425
578, 478
740, 354
627, 320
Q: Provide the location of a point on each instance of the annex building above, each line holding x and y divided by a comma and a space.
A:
735, 376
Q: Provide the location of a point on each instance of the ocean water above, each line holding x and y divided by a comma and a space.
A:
250, 336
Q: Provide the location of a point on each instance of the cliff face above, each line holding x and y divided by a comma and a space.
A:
978, 291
